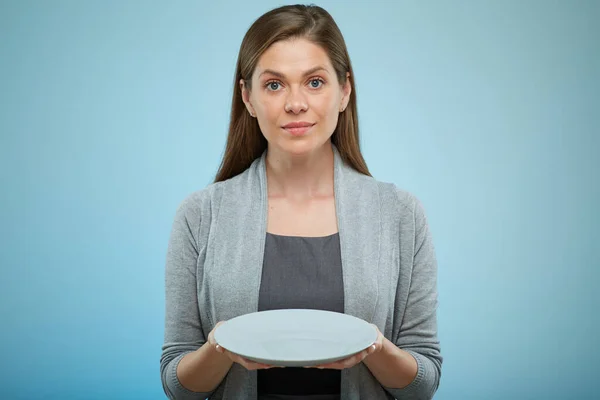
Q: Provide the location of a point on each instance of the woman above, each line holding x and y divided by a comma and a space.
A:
294, 220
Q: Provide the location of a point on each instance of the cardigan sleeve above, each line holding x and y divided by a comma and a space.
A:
183, 333
418, 330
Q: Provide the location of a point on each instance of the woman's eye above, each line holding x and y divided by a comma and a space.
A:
315, 83
273, 85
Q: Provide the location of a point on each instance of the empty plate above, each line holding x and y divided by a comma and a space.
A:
295, 337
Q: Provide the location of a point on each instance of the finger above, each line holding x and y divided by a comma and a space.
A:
235, 357
351, 362
380, 336
251, 366
248, 364
358, 357
345, 363
254, 365
342, 364
324, 366
211, 338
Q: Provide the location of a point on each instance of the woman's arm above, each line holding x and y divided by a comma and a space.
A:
190, 367
409, 366
392, 366
203, 370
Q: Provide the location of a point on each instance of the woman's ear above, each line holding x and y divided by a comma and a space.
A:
246, 97
346, 91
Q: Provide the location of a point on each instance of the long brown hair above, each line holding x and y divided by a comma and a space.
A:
245, 142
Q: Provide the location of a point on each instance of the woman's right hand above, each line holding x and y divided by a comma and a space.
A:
244, 362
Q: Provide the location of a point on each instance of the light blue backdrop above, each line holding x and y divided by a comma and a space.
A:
112, 112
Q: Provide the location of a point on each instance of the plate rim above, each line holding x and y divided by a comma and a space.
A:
302, 361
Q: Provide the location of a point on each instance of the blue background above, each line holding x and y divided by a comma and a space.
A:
112, 112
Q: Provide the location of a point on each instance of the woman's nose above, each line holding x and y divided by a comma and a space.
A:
296, 101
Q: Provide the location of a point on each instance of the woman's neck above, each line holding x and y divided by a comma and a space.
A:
300, 177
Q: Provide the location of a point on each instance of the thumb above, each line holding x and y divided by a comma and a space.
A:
211, 336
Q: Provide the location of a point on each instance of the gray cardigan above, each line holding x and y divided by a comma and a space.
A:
214, 263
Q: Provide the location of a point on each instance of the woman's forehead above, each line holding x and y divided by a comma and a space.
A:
293, 58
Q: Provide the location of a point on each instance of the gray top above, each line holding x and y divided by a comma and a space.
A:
301, 272
215, 258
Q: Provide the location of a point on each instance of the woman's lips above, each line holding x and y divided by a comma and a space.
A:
298, 128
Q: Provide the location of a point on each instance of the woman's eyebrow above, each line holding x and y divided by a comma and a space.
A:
282, 76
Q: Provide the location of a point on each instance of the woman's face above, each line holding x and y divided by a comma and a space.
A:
296, 96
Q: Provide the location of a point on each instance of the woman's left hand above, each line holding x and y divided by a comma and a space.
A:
356, 358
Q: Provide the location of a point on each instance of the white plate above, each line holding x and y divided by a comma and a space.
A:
295, 337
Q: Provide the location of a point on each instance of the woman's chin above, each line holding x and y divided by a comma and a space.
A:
301, 147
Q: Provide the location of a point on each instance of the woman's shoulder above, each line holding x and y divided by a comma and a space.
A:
199, 199
202, 201
398, 198
390, 194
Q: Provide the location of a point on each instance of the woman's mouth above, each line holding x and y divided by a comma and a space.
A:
298, 128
